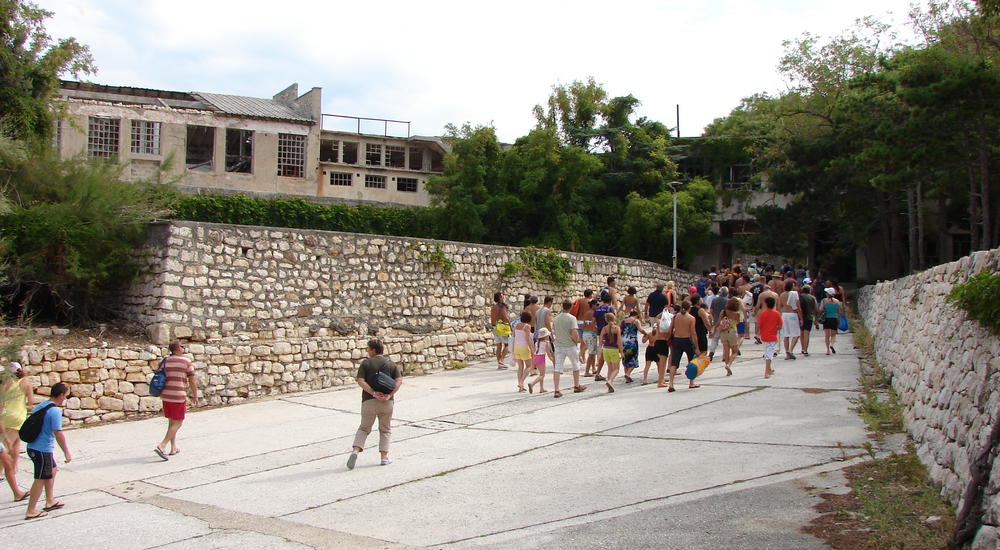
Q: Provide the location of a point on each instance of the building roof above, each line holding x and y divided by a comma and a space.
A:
253, 107
250, 107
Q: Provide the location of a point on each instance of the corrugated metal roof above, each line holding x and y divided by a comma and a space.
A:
253, 107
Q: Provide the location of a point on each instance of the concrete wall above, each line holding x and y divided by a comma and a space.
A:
945, 368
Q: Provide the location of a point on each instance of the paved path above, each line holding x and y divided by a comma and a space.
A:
476, 464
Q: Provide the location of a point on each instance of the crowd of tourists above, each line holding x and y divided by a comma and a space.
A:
773, 305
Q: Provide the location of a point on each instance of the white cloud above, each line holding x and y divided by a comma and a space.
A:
437, 62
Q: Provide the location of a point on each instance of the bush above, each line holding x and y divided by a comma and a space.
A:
543, 265
980, 298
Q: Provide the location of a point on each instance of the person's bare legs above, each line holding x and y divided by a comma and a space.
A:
522, 373
805, 342
540, 380
12, 453
612, 373
171, 437
9, 473
661, 368
729, 357
673, 372
767, 368
501, 353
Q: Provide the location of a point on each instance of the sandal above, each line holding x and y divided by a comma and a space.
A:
55, 506
23, 497
611, 389
557, 394
36, 516
578, 389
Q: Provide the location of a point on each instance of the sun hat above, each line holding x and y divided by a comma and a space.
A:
830, 291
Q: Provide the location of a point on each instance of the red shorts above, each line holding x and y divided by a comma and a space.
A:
174, 411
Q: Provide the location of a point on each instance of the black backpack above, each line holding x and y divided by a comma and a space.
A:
605, 294
756, 291
32, 427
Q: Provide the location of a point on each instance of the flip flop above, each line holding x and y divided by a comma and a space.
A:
160, 453
23, 497
36, 516
55, 506
177, 452
693, 387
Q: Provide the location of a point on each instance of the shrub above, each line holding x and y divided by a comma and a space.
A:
980, 298
543, 265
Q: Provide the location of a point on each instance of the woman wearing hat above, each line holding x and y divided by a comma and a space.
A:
16, 397
832, 309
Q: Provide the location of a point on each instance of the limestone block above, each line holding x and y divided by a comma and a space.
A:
111, 404
149, 404
112, 416
141, 389
88, 403
78, 414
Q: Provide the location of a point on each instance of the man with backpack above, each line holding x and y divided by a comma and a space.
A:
48, 423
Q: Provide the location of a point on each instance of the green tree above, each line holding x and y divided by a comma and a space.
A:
30, 65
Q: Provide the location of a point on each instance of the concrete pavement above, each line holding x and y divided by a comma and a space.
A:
476, 464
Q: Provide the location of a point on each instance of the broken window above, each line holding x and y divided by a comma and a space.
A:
437, 162
200, 148
145, 137
373, 154
416, 158
239, 151
375, 182
395, 156
291, 155
340, 178
407, 185
350, 152
102, 137
329, 150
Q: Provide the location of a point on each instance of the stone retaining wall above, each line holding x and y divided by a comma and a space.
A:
267, 311
946, 370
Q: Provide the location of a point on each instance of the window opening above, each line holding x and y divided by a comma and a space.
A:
329, 150
373, 154
375, 182
291, 155
341, 178
395, 156
416, 158
102, 137
200, 148
145, 137
408, 185
437, 162
239, 151
350, 152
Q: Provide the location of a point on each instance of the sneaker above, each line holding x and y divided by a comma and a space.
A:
352, 460
386, 461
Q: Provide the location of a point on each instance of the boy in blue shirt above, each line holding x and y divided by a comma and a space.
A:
40, 451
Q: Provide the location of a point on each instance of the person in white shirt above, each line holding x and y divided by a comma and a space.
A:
791, 317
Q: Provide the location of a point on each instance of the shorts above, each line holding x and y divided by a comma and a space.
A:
807, 325
831, 323
651, 354
703, 341
562, 354
497, 339
522, 353
174, 411
590, 339
45, 463
730, 338
662, 348
681, 346
612, 355
769, 349
790, 325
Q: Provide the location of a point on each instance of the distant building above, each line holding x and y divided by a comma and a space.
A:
226, 143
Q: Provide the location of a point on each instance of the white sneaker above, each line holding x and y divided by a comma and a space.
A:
352, 460
386, 461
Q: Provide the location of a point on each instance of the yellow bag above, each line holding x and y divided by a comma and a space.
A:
697, 366
502, 329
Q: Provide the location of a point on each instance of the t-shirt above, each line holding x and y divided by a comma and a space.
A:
178, 369
718, 304
657, 301
563, 325
46, 441
540, 317
370, 367
808, 304
599, 313
792, 300
769, 321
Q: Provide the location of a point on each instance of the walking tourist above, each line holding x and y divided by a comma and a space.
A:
600, 317
661, 342
16, 397
631, 327
684, 341
767, 292
566, 339
807, 303
791, 317
630, 302
770, 322
671, 293
718, 305
579, 305
832, 310
541, 350
725, 329
655, 303
611, 344
589, 336
180, 377
41, 451
522, 349
702, 322
500, 321
375, 403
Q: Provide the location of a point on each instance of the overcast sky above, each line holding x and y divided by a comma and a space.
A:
438, 62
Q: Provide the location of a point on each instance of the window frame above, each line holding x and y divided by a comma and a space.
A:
291, 147
349, 176
371, 181
414, 181
145, 136
104, 147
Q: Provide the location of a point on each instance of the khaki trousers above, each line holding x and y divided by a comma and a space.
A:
371, 409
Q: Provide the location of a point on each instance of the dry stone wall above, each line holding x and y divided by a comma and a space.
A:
946, 370
266, 311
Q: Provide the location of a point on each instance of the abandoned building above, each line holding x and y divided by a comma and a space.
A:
217, 143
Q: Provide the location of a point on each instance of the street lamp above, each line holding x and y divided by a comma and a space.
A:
673, 187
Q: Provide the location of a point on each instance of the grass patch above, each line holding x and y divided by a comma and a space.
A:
878, 404
455, 365
891, 506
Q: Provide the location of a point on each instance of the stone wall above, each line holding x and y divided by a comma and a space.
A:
267, 311
945, 369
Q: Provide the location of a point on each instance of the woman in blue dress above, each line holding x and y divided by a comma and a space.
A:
631, 327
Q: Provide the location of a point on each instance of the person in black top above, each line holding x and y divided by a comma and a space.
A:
655, 303
701, 322
375, 403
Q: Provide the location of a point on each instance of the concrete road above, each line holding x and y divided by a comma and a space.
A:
476, 464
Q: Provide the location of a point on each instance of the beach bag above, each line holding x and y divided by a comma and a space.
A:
159, 380
32, 427
697, 366
843, 324
502, 329
725, 323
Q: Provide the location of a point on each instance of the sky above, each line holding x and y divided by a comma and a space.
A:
439, 62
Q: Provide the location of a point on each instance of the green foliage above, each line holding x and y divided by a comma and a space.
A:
439, 258
542, 265
30, 65
71, 232
980, 298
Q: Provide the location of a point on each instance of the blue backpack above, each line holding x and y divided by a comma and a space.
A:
159, 380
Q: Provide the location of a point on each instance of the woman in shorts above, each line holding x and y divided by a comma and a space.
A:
611, 344
522, 349
831, 309
729, 335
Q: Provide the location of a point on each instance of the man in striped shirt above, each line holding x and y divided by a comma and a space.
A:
180, 377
